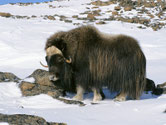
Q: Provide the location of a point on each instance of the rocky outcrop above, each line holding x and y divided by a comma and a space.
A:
22, 119
42, 85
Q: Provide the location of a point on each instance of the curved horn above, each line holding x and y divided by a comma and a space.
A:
44, 65
68, 60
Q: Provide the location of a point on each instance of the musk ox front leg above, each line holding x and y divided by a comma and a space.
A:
121, 97
79, 93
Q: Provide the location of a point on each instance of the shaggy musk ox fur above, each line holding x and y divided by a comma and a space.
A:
98, 60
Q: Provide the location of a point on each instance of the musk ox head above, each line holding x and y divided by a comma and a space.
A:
56, 63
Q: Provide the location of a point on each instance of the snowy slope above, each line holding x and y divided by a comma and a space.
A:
22, 47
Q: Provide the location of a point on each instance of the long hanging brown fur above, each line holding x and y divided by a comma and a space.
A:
98, 60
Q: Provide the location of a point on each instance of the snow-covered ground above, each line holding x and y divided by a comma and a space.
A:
22, 47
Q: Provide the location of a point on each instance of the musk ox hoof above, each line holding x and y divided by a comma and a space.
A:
120, 99
78, 98
97, 98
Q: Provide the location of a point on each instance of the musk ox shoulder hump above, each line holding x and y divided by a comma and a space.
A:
55, 39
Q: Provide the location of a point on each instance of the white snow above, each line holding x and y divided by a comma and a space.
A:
29, 79
22, 48
3, 123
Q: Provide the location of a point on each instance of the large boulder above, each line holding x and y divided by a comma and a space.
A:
40, 85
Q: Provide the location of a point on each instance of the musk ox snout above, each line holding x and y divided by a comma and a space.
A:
55, 66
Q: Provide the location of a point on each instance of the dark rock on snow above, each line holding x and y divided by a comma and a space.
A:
150, 85
22, 119
8, 77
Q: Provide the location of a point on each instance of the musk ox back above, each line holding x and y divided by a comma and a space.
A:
98, 60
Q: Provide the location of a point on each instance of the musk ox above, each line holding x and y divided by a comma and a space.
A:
84, 58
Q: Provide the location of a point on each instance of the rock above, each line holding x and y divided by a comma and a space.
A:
26, 86
161, 85
51, 6
144, 21
8, 77
90, 16
41, 77
161, 89
149, 4
42, 85
100, 22
150, 85
62, 18
20, 17
33, 16
117, 8
158, 91
96, 12
5, 14
155, 27
95, 7
101, 3
22, 119
71, 101
68, 21
32, 89
129, 20
141, 27
128, 8
75, 16
114, 13
151, 16
51, 17
139, 2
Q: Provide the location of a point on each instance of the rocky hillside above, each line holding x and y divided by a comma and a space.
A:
149, 13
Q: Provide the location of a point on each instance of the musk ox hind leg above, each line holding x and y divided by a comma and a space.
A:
79, 93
